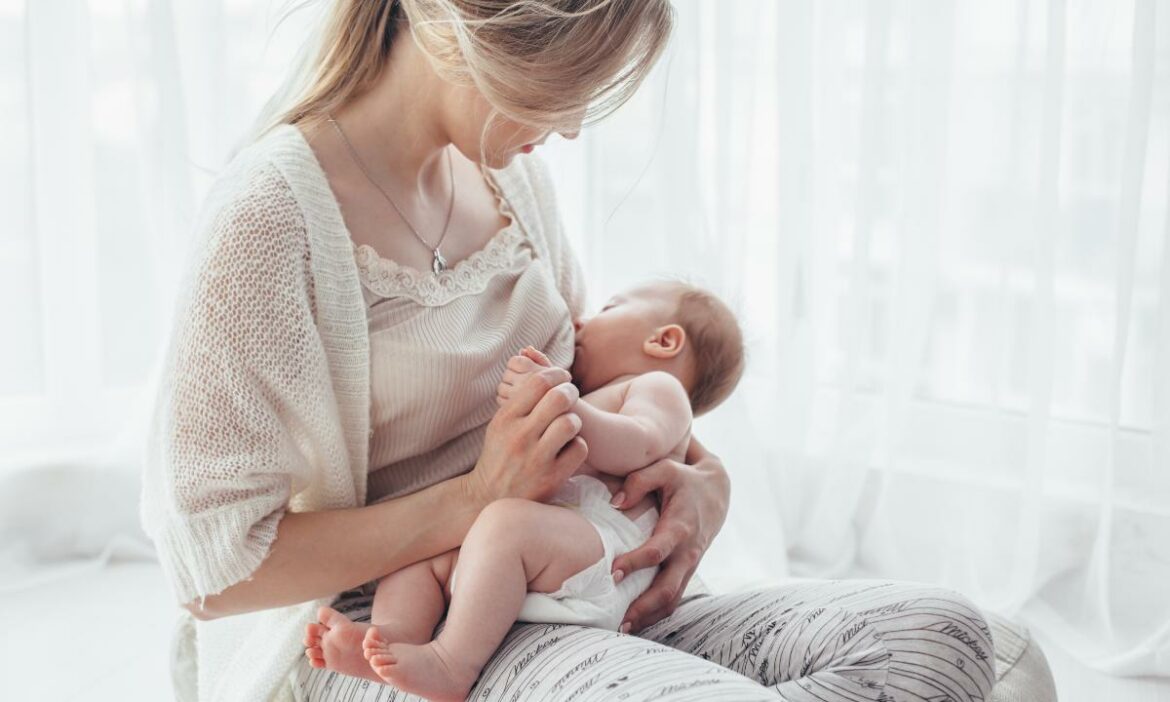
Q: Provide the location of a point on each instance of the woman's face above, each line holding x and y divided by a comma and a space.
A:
503, 139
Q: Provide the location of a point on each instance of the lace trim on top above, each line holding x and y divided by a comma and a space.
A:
387, 278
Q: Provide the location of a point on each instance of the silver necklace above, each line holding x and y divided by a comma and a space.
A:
438, 263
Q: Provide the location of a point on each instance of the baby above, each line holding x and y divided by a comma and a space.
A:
653, 358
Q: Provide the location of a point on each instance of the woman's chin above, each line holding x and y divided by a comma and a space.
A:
497, 161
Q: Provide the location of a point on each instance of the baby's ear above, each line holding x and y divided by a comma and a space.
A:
667, 342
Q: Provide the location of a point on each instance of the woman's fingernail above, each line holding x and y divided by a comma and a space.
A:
617, 499
625, 627
618, 575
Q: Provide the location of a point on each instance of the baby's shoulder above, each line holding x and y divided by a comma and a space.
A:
661, 389
658, 382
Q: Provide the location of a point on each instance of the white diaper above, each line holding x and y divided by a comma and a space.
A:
590, 597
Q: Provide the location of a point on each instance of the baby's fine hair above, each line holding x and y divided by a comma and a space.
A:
716, 343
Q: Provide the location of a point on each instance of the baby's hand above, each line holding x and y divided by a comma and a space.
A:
536, 355
520, 366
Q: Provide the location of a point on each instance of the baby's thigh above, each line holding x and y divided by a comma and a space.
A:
553, 542
419, 578
442, 566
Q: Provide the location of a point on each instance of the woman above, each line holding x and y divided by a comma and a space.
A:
328, 413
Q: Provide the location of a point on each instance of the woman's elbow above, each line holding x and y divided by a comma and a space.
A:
205, 609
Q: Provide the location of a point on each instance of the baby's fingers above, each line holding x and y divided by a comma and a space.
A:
513, 378
522, 364
537, 356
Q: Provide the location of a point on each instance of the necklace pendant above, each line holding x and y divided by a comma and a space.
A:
438, 264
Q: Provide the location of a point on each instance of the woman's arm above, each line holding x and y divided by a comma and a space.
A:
530, 448
318, 554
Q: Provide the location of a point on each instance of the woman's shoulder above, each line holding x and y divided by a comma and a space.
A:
528, 185
272, 188
528, 182
251, 181
529, 178
251, 219
259, 173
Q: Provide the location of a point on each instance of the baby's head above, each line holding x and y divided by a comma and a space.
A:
668, 326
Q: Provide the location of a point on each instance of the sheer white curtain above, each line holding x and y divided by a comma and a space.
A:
944, 225
116, 115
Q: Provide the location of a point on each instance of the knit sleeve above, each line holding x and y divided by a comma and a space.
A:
242, 387
570, 277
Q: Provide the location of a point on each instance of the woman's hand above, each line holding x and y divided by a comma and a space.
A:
531, 446
695, 497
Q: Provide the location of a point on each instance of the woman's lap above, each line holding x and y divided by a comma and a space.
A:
842, 640
824, 640
548, 662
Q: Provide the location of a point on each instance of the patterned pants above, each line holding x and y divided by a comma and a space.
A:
833, 640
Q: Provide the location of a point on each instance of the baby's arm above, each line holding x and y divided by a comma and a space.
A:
654, 417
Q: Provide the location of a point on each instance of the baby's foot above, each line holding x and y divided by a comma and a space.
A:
335, 642
424, 670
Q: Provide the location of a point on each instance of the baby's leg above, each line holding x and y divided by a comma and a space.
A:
407, 606
410, 602
514, 546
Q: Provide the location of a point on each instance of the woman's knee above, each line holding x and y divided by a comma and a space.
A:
562, 662
938, 633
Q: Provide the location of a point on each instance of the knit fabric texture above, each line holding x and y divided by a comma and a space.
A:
264, 402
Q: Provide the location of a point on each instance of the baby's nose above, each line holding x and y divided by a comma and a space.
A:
578, 325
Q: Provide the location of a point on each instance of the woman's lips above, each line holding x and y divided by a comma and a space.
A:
527, 148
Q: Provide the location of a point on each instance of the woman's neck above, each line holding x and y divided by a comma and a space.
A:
397, 127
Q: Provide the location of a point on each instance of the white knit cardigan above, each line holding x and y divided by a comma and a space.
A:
263, 405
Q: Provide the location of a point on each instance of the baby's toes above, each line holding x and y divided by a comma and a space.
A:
382, 662
374, 643
316, 657
313, 634
330, 618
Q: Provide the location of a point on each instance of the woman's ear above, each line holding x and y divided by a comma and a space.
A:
667, 342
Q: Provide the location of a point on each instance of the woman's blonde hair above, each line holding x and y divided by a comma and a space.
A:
545, 63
